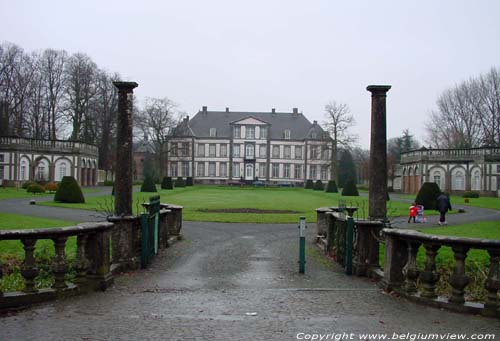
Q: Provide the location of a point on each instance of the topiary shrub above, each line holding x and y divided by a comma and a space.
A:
180, 182
318, 185
350, 189
148, 185
51, 187
108, 183
331, 187
309, 184
69, 191
167, 183
189, 181
427, 195
27, 184
35, 188
470, 194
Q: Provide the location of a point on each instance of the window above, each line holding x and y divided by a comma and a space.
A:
262, 151
314, 152
62, 170
498, 168
173, 169
476, 181
249, 151
2, 158
314, 135
236, 150
324, 153
249, 171
223, 150
288, 152
298, 172
324, 172
276, 152
1, 173
211, 150
223, 169
201, 150
40, 173
213, 132
237, 132
185, 169
250, 132
184, 151
286, 134
200, 169
298, 152
236, 170
437, 179
262, 170
286, 170
459, 180
263, 133
275, 169
211, 169
23, 172
173, 150
312, 172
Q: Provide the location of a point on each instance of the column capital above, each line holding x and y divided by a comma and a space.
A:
378, 89
125, 86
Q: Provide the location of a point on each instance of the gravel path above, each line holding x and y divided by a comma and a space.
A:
235, 282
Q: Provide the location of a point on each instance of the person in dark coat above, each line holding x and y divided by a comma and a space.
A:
443, 205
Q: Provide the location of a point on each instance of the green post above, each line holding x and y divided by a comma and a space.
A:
348, 246
144, 240
302, 244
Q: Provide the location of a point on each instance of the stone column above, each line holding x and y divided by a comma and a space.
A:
123, 179
378, 154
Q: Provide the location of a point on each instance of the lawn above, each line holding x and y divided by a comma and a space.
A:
198, 200
458, 201
20, 193
477, 261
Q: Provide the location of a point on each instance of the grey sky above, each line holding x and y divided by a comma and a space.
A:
258, 55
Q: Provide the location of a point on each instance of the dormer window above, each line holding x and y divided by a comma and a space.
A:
250, 132
287, 134
213, 132
314, 135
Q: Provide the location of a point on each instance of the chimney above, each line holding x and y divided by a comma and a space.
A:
186, 119
145, 136
227, 109
315, 122
273, 111
295, 111
204, 109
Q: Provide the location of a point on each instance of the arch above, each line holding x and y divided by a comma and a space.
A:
437, 174
41, 168
63, 166
24, 168
475, 178
410, 180
458, 179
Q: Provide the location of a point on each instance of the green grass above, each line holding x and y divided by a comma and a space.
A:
458, 201
477, 261
196, 200
20, 193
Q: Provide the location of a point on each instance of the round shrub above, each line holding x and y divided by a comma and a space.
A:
470, 194
309, 184
427, 195
35, 188
51, 187
189, 181
350, 189
27, 184
167, 183
69, 191
148, 185
180, 182
331, 187
318, 185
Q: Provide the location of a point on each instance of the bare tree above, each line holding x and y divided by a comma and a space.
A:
155, 120
338, 121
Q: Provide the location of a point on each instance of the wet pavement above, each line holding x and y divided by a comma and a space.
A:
236, 282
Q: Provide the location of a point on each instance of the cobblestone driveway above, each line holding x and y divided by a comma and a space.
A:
235, 282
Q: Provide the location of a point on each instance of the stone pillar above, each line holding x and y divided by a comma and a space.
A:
378, 154
123, 179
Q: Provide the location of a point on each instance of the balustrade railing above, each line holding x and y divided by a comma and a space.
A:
92, 263
449, 154
59, 145
402, 274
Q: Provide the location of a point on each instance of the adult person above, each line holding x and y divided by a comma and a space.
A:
443, 205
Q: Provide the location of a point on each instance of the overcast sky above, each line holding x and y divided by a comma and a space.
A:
257, 55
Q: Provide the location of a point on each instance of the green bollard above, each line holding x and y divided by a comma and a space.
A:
348, 247
302, 244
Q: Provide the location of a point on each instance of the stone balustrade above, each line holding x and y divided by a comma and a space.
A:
92, 263
401, 273
450, 154
48, 145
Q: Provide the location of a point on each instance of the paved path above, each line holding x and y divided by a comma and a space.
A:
204, 287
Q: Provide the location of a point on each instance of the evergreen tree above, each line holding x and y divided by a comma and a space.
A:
347, 168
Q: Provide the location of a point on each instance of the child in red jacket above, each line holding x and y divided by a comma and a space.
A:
413, 212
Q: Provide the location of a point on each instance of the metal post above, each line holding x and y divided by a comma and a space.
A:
348, 246
302, 244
